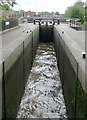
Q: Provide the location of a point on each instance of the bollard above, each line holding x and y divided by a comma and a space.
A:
50, 22
62, 32
53, 23
58, 22
39, 22
42, 22
83, 55
34, 22
27, 31
46, 23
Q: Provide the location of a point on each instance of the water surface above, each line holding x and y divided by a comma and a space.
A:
43, 96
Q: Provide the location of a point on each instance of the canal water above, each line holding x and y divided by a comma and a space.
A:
43, 97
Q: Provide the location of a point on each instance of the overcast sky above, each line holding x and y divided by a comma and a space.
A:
44, 5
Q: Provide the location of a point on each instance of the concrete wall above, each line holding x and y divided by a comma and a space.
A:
72, 74
17, 66
16, 69
35, 42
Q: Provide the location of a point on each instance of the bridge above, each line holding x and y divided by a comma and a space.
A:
18, 49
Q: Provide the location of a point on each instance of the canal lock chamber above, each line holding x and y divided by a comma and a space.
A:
75, 98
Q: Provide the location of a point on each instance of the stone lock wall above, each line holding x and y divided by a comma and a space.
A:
72, 77
15, 71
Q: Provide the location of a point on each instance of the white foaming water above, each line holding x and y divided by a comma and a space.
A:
43, 97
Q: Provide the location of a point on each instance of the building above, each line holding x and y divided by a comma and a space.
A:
29, 14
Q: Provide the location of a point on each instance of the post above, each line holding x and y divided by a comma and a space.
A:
34, 22
32, 48
39, 22
53, 23
46, 24
23, 66
3, 92
58, 21
76, 91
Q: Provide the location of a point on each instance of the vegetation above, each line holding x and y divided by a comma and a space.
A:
56, 13
49, 13
76, 11
52, 13
22, 11
42, 13
6, 4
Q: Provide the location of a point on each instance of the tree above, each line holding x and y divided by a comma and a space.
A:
76, 11
42, 13
6, 4
22, 11
52, 13
56, 13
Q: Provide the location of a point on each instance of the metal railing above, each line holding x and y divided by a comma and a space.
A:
7, 24
75, 24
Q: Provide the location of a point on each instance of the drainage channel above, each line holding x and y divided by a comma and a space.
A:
43, 97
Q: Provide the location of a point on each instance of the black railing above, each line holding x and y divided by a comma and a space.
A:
7, 24
76, 24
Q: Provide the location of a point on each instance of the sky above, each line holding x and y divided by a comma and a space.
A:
44, 5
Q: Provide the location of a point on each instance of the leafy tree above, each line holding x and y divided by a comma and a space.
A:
42, 13
56, 13
52, 13
6, 4
76, 11
22, 11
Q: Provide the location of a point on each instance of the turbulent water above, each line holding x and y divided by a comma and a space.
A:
43, 96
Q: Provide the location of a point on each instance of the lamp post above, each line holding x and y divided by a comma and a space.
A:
36, 7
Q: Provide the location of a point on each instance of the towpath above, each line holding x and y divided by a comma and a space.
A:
76, 42
11, 39
78, 36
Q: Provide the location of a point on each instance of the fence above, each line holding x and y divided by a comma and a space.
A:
7, 24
